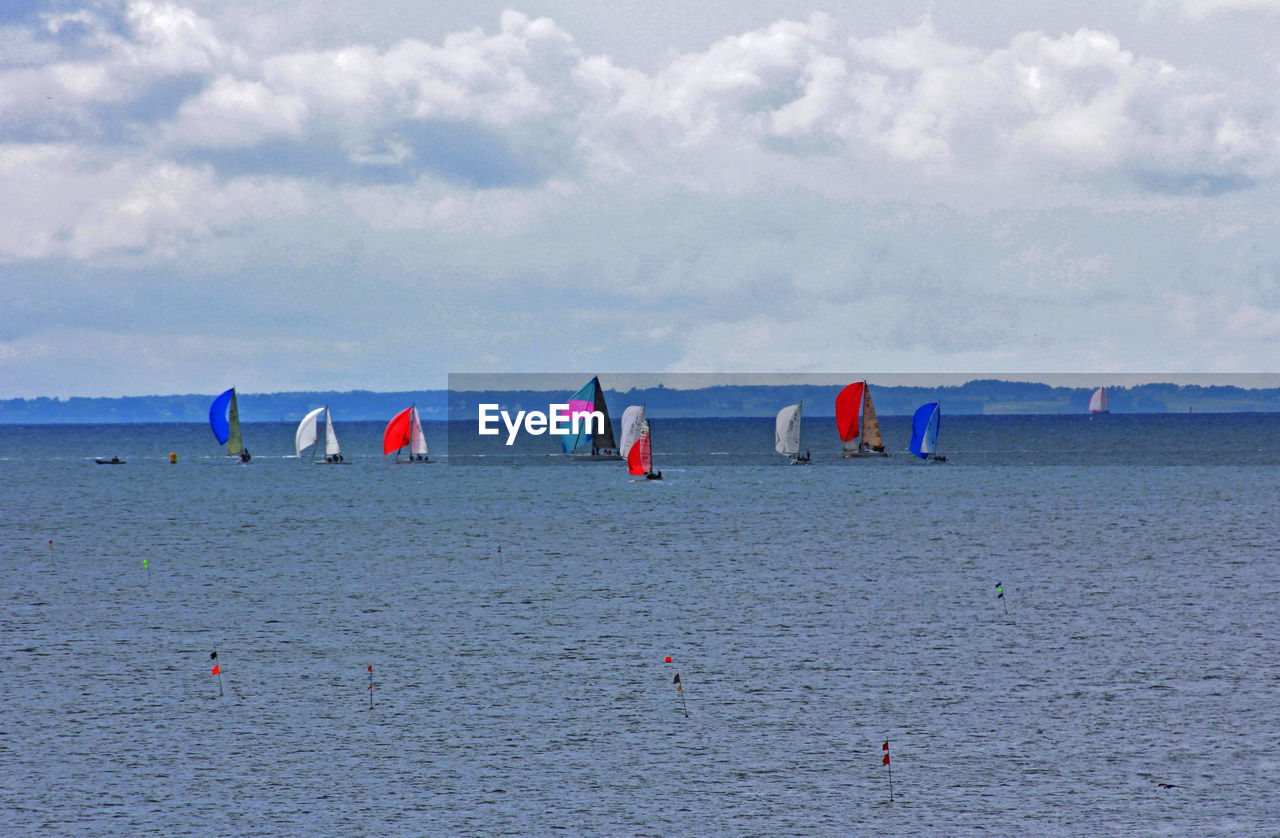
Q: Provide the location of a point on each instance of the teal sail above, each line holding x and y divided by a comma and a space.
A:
583, 401
218, 416
924, 430
588, 400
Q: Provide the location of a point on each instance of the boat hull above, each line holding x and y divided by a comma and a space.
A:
597, 458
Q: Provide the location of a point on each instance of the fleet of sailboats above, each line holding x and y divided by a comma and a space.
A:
405, 431
224, 420
857, 423
308, 434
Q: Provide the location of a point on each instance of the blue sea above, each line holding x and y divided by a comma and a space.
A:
517, 609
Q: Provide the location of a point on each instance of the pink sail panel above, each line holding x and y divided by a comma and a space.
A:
848, 411
399, 432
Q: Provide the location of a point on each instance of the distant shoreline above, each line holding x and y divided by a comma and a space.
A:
982, 397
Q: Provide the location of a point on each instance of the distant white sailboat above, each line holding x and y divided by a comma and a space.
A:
786, 434
307, 434
1098, 401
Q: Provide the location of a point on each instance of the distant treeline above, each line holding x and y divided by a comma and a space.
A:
977, 397
983, 396
254, 407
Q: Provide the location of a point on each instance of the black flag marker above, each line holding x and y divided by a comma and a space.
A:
680, 689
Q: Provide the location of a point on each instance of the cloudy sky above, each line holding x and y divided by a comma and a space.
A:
346, 195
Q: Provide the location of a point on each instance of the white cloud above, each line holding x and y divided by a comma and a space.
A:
861, 177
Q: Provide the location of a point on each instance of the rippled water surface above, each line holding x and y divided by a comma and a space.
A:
517, 619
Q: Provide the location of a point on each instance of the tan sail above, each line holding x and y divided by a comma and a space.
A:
870, 424
234, 444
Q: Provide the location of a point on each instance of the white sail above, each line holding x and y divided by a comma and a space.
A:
632, 424
786, 431
331, 448
417, 440
1098, 401
306, 433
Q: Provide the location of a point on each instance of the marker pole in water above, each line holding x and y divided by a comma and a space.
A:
148, 569
217, 670
680, 689
885, 748
370, 686
1000, 596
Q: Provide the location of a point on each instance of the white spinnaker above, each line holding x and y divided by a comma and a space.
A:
786, 431
632, 422
306, 434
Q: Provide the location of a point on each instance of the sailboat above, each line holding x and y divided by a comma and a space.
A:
588, 400
1098, 401
857, 422
640, 455
224, 419
308, 431
924, 432
786, 434
638, 443
405, 430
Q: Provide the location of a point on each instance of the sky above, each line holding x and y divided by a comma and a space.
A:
371, 195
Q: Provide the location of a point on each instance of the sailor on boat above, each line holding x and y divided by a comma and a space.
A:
244, 455
653, 475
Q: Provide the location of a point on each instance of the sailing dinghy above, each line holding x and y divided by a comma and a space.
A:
924, 432
405, 431
638, 443
786, 434
224, 420
1098, 402
857, 422
308, 434
588, 400
640, 455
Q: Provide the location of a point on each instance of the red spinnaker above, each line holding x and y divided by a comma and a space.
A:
640, 457
399, 432
849, 411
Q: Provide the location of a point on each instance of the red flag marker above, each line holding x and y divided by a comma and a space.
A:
885, 748
370, 686
217, 670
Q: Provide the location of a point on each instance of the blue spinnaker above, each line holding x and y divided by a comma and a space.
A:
218, 416
924, 430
